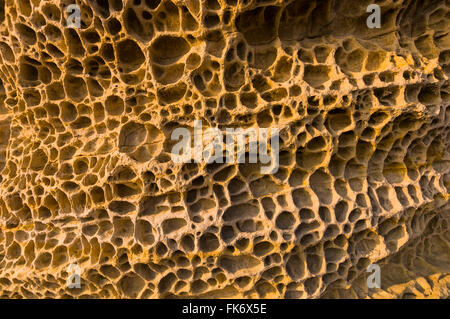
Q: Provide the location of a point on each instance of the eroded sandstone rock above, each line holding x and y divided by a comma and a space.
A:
86, 176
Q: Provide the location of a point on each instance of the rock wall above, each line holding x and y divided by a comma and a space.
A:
86, 175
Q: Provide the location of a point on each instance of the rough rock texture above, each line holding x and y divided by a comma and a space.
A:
86, 176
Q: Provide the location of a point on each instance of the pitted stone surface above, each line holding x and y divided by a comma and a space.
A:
86, 175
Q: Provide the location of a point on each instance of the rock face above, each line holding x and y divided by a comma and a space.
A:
87, 178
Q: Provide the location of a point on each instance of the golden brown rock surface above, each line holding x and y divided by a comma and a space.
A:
86, 176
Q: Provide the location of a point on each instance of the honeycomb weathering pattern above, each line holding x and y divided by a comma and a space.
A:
86, 117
